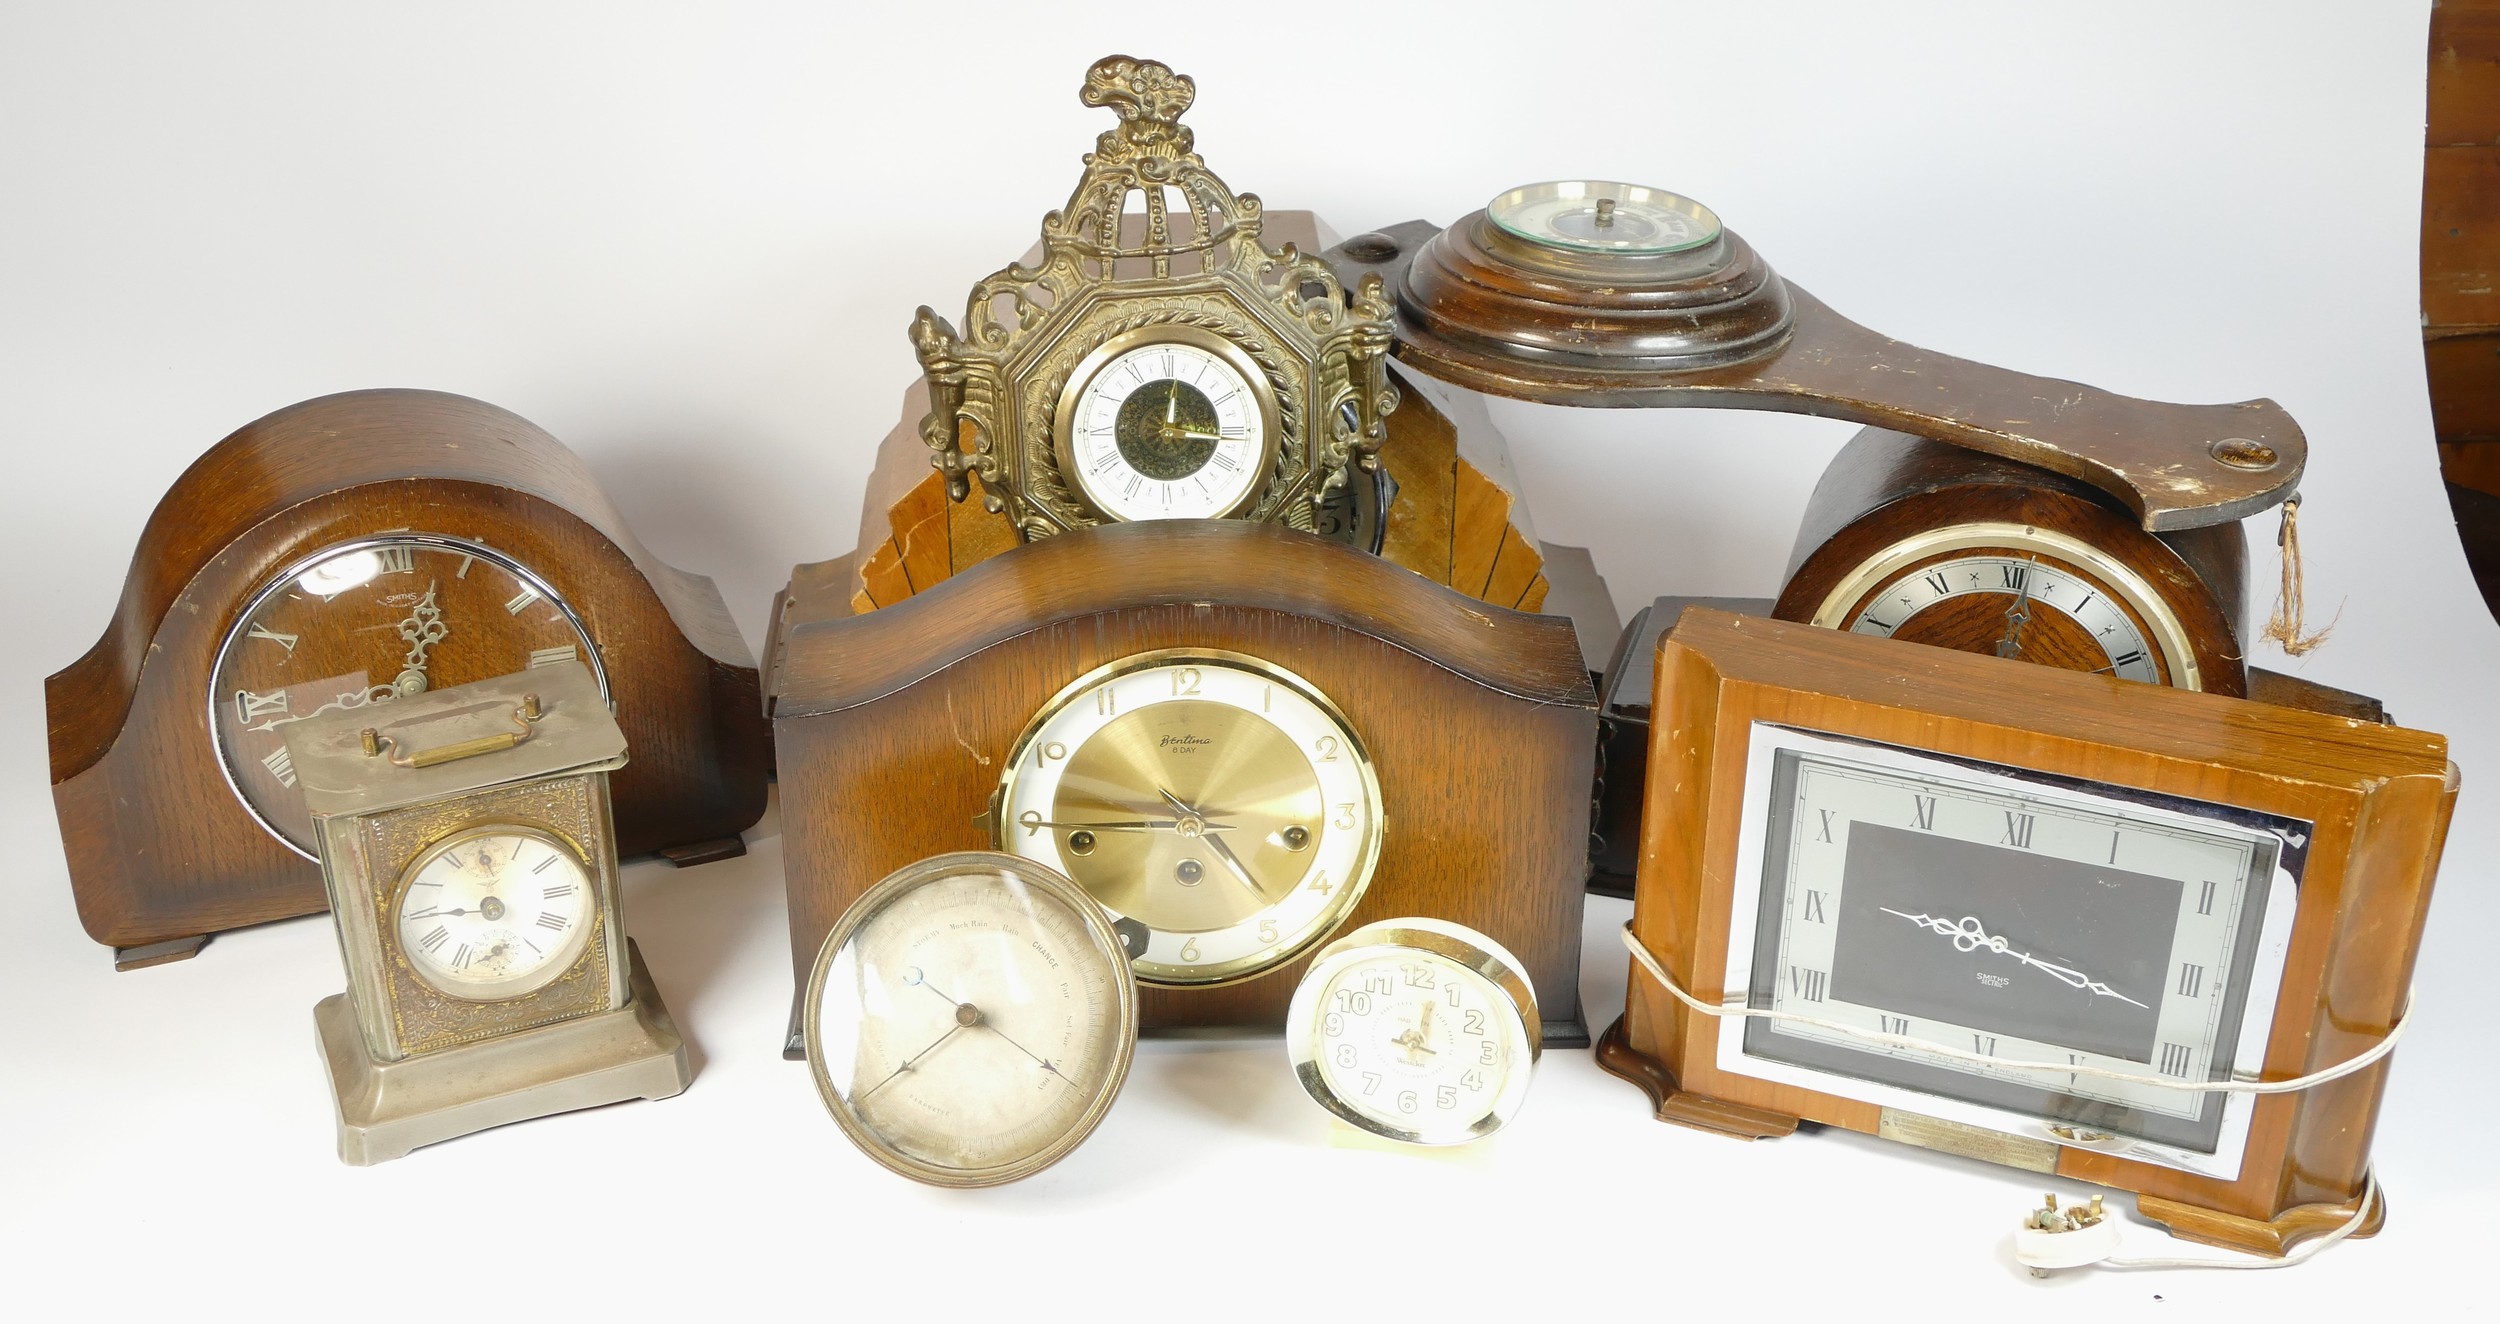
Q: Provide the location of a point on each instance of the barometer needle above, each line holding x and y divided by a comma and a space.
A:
908, 1063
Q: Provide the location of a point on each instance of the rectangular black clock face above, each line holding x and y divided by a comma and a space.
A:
2009, 914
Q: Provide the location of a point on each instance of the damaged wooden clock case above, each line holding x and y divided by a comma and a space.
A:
161, 853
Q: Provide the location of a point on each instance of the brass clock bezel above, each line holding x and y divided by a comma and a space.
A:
1063, 414
239, 629
1475, 953
2165, 630
586, 934
1123, 1027
1349, 892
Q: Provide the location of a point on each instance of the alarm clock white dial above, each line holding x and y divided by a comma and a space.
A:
494, 913
1416, 1029
1168, 429
1217, 806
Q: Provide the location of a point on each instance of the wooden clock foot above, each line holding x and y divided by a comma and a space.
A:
1670, 1102
2260, 1236
159, 953
705, 852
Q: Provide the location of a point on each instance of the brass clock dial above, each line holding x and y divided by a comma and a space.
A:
1218, 806
364, 623
2018, 592
1168, 423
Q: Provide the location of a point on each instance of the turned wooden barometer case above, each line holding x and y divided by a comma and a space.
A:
344, 555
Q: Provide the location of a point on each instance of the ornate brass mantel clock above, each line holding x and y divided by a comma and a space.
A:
1162, 363
467, 847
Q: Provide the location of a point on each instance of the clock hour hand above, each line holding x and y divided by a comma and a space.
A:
1215, 844
2016, 617
1969, 936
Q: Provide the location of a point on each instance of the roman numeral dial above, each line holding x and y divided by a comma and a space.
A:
496, 912
2033, 603
359, 625
1167, 422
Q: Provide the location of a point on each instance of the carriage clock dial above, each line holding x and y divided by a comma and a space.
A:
494, 912
364, 623
2019, 919
970, 1019
1416, 1029
1601, 216
2019, 592
1165, 423
1219, 807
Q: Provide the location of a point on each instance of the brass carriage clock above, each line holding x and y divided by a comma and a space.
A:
1161, 362
466, 844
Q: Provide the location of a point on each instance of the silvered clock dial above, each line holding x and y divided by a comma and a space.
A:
360, 624
2016, 918
1218, 806
970, 1019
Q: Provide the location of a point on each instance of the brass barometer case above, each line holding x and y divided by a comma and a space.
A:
469, 856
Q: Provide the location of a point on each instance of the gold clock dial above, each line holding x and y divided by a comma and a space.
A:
2017, 592
1219, 807
364, 623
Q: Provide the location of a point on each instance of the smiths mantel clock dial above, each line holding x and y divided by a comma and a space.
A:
1161, 362
363, 623
1217, 805
466, 842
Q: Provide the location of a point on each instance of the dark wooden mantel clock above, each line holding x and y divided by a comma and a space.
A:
344, 553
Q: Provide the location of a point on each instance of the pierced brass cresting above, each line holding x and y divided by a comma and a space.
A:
1321, 350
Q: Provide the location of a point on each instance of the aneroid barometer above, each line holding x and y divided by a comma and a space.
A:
970, 1019
466, 843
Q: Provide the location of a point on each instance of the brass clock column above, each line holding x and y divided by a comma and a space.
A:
470, 860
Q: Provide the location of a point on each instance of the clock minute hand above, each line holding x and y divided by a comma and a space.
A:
1970, 936
2016, 617
1216, 844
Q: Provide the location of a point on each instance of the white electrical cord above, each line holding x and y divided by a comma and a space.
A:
2361, 1214
2382, 1048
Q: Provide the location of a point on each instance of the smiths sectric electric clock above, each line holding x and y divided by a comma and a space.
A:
468, 850
2147, 938
1416, 1029
970, 1019
1215, 803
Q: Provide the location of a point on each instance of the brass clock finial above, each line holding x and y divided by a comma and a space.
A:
1149, 99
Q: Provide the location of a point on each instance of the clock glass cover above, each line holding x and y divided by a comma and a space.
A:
1602, 216
2019, 592
364, 623
1167, 424
970, 1019
1219, 807
1416, 1029
2015, 916
494, 912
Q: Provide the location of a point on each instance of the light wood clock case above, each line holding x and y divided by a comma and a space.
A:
2010, 912
1239, 738
345, 554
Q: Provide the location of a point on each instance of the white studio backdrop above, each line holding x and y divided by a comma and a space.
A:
687, 241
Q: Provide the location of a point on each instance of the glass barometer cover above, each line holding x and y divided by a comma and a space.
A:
970, 1019
1602, 216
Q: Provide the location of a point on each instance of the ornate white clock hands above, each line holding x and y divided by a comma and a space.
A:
2016, 617
423, 629
1969, 936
